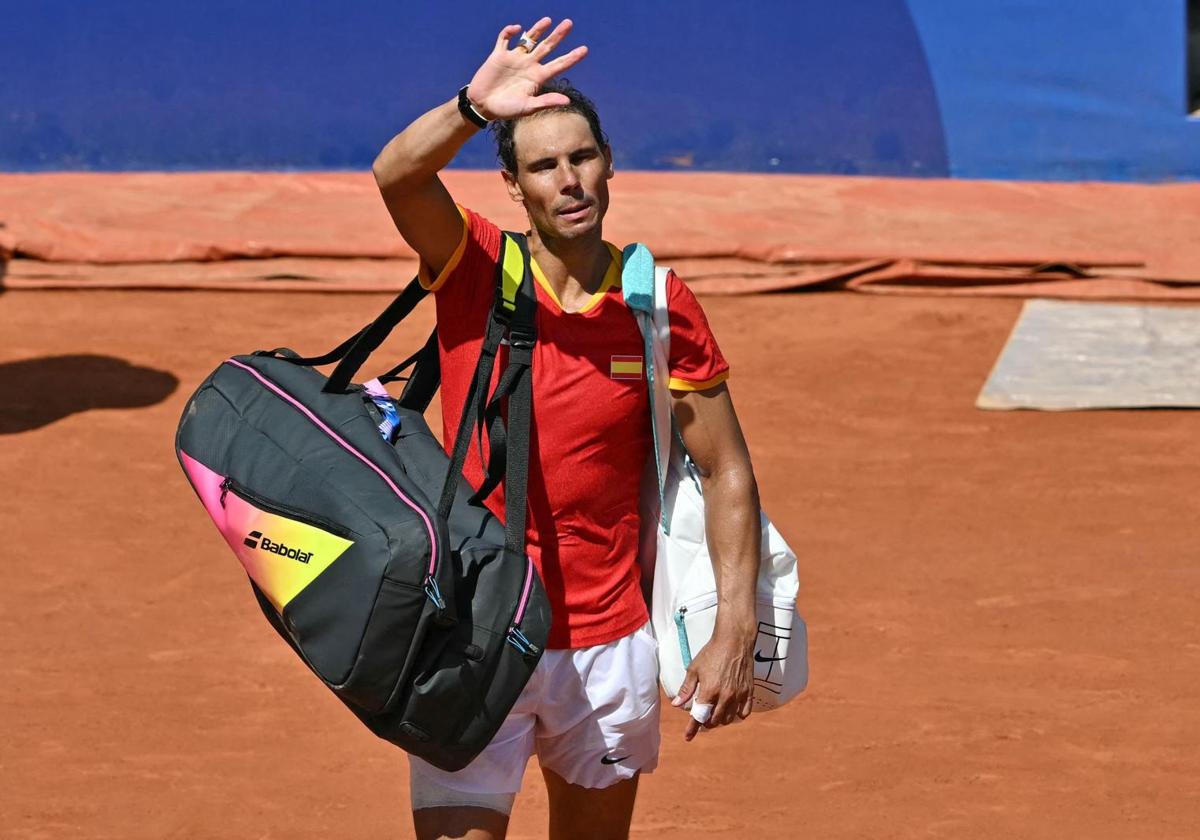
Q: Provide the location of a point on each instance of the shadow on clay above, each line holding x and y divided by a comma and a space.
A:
37, 392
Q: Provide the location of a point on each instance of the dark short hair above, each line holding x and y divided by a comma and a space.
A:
503, 130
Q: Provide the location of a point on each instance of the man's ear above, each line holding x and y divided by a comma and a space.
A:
514, 189
608, 160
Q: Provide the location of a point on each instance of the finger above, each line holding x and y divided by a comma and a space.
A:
722, 713
729, 708
535, 31
506, 35
746, 708
690, 682
546, 100
693, 726
552, 40
701, 713
563, 62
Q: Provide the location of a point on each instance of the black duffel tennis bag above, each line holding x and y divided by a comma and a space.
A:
371, 557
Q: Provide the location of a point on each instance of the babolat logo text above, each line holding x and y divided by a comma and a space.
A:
255, 539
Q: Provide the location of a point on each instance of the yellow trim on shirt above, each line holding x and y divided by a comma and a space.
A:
612, 280
676, 384
612, 277
455, 258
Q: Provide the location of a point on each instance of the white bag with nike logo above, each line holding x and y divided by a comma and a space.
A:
683, 607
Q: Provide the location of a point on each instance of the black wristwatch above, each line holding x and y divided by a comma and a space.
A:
468, 110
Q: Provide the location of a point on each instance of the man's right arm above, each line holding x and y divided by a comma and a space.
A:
406, 172
504, 87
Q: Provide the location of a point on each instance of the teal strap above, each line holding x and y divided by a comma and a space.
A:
685, 647
637, 278
637, 287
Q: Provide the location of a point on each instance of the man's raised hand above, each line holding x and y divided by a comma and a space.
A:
504, 87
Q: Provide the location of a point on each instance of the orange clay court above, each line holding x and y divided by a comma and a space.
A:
1001, 605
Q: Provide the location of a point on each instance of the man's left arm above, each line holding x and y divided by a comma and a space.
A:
722, 673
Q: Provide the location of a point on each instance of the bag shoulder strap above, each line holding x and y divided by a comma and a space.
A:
637, 278
353, 352
371, 336
517, 384
512, 317
644, 287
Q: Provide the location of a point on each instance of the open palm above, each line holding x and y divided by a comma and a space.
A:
505, 86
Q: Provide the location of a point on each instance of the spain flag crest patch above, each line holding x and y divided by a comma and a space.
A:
626, 367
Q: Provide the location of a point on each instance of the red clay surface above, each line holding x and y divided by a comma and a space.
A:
1002, 606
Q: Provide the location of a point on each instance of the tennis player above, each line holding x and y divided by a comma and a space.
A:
591, 710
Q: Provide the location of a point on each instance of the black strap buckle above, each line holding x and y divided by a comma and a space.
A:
520, 338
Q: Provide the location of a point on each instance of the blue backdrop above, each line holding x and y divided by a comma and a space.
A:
1059, 89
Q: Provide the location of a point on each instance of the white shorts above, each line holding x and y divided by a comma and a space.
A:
590, 714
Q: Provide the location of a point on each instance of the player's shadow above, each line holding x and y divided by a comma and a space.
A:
36, 392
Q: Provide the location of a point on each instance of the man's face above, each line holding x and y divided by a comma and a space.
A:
562, 174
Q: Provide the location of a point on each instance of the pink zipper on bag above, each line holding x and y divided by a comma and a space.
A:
516, 637
525, 592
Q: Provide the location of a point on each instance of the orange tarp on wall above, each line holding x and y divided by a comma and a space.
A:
725, 233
